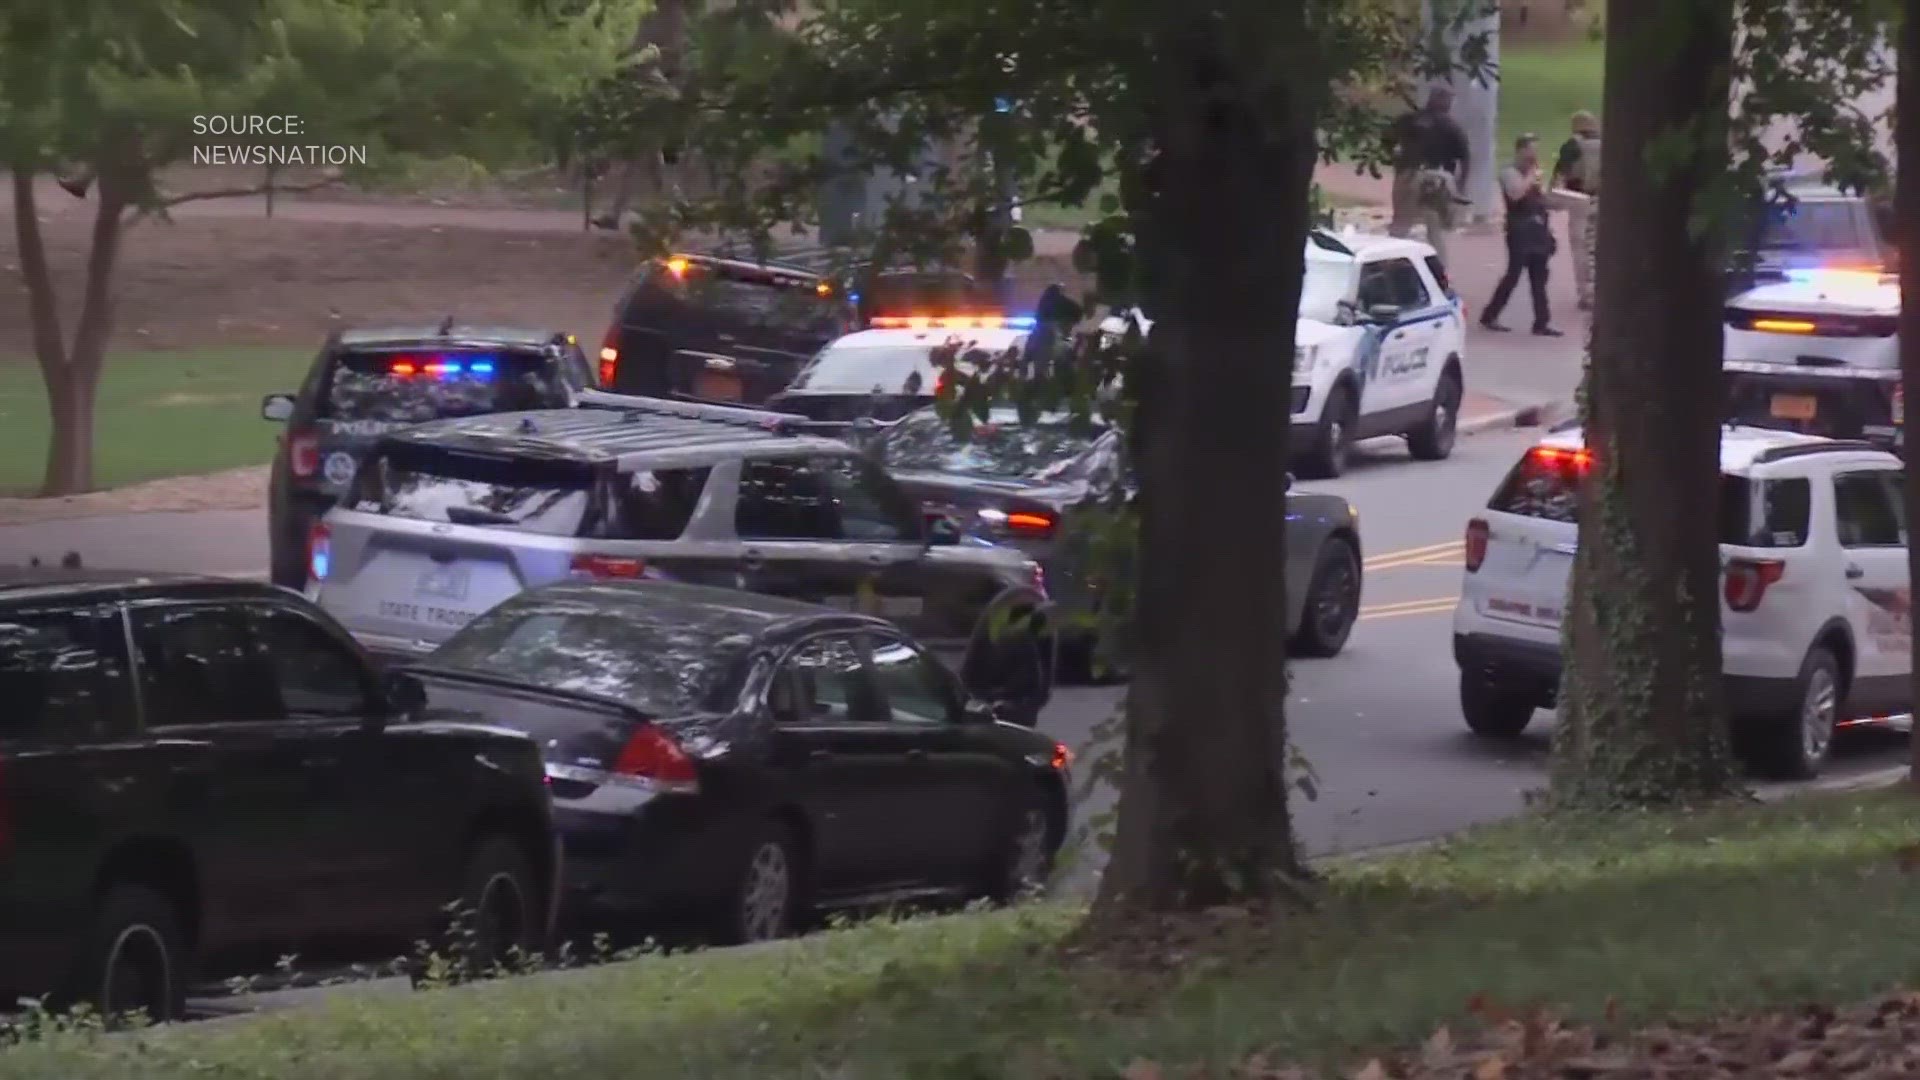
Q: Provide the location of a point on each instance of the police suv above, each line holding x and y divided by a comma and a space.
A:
1817, 353
1378, 350
1815, 621
888, 371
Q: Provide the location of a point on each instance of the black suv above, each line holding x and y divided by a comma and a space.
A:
368, 382
725, 328
193, 772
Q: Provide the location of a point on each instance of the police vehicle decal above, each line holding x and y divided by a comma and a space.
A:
361, 427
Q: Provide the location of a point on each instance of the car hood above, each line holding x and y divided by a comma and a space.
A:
1307, 332
943, 483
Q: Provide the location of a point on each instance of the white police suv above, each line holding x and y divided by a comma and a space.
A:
1814, 597
1817, 352
1378, 350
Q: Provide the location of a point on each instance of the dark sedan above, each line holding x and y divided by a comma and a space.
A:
1020, 484
748, 760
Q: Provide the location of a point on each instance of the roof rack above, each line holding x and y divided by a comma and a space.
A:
739, 416
1829, 446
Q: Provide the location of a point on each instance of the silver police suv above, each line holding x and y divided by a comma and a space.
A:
449, 518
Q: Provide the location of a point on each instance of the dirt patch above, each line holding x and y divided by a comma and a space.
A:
232, 489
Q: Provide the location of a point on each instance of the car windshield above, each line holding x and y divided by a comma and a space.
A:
1325, 285
552, 498
1814, 225
413, 388
661, 655
1056, 450
888, 369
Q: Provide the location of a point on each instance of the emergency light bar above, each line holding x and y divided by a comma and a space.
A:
409, 366
951, 322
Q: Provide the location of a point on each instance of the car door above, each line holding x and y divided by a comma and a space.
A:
851, 771
392, 869
1381, 350
1866, 504
961, 783
265, 796
1406, 372
909, 583
789, 532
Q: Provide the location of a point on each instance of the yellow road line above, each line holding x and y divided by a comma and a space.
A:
1413, 552
1417, 557
1431, 607
1369, 609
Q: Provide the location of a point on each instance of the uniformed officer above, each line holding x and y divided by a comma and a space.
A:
1579, 158
1430, 164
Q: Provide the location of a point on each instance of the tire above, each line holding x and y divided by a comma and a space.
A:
1333, 601
764, 901
1332, 439
1794, 744
136, 956
1024, 863
1433, 440
1493, 711
499, 905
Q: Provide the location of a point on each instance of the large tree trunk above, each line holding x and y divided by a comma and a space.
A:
1203, 813
71, 375
1906, 241
1641, 709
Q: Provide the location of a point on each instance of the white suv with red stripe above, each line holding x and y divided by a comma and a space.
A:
1814, 601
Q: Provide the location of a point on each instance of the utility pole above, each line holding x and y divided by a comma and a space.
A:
1475, 106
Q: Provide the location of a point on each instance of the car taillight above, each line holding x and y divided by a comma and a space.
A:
1560, 457
1476, 544
319, 550
608, 566
653, 756
303, 453
609, 357
1062, 756
1031, 523
1747, 581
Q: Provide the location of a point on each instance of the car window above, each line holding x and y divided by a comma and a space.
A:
784, 500
656, 504
553, 498
715, 296
1376, 287
1896, 482
1439, 272
1048, 449
414, 387
317, 676
916, 690
1864, 514
870, 507
1405, 286
1545, 484
201, 666
62, 676
825, 681
1765, 513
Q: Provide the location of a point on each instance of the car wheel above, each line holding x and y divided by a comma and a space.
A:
1333, 601
1794, 744
1493, 711
765, 902
1327, 457
499, 912
136, 957
1434, 439
1026, 858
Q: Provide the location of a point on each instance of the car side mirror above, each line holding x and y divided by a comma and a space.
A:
1383, 313
402, 694
942, 531
277, 408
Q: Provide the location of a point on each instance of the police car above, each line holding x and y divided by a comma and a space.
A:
1378, 350
1815, 622
888, 371
1817, 352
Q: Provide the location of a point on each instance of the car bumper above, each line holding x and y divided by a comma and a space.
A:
628, 859
1535, 668
1855, 405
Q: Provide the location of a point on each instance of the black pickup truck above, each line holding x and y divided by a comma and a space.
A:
194, 771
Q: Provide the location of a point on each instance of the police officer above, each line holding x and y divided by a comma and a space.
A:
1530, 243
1430, 162
1579, 158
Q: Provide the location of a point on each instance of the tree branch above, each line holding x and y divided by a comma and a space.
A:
329, 178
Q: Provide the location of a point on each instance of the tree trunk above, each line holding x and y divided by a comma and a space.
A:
1641, 711
71, 376
1906, 242
1203, 815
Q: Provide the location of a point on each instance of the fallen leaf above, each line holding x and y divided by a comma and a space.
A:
1439, 1047
1595, 1064
1491, 1067
1798, 1061
1372, 1070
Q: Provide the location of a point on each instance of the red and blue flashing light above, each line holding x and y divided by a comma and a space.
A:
443, 367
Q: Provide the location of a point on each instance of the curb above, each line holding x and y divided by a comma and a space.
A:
1867, 781
1544, 414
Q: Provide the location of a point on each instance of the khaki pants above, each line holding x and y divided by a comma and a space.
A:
1579, 241
1409, 210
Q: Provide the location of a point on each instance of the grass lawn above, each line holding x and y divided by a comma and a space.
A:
1544, 83
160, 413
1628, 917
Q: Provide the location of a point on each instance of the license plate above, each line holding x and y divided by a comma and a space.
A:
1795, 406
425, 614
711, 384
448, 584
